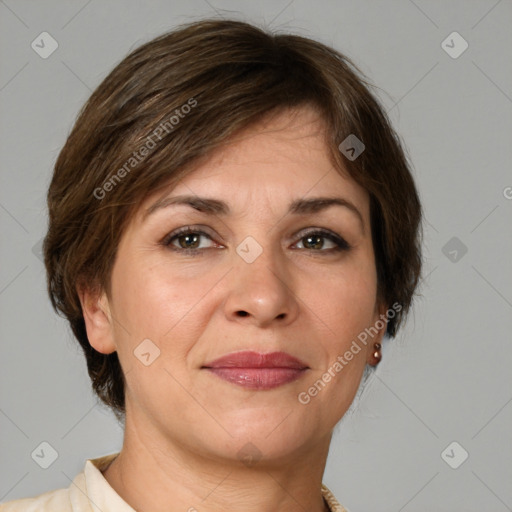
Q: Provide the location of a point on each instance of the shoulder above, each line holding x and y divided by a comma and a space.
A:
51, 500
88, 486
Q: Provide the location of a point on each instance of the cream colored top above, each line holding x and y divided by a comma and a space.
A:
90, 492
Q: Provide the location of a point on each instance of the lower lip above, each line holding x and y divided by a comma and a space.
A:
258, 378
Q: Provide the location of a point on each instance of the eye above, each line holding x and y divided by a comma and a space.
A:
315, 241
186, 239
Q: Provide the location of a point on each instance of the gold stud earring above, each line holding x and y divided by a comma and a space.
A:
377, 356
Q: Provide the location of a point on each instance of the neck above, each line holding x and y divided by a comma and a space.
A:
179, 479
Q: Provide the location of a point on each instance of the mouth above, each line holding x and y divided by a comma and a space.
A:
257, 371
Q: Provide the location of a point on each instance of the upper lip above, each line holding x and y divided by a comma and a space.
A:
250, 359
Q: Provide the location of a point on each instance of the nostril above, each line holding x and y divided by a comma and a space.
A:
242, 313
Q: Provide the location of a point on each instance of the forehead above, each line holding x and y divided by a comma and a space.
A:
278, 160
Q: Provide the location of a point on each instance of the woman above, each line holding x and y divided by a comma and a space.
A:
233, 229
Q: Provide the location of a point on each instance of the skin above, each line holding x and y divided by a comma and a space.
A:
185, 426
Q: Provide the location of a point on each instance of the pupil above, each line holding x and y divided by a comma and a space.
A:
314, 241
186, 239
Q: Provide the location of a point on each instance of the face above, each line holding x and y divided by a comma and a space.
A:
263, 268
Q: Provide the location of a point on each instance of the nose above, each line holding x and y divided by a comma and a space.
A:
261, 292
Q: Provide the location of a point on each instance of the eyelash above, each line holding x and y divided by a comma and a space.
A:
341, 244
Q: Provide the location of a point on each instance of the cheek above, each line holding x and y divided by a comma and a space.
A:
166, 308
345, 304
156, 303
346, 299
346, 307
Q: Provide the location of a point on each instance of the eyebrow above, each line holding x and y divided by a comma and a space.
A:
212, 206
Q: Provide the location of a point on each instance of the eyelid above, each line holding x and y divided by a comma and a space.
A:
315, 229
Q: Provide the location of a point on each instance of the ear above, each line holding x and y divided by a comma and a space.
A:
98, 319
379, 324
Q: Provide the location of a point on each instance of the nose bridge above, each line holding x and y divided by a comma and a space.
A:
260, 286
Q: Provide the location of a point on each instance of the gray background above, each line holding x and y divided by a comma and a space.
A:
447, 376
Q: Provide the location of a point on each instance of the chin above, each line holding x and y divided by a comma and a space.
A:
271, 434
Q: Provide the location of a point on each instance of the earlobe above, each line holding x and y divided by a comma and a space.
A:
98, 320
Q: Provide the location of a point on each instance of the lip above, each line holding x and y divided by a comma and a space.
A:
255, 370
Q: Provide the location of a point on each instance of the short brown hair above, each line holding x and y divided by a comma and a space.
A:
229, 74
